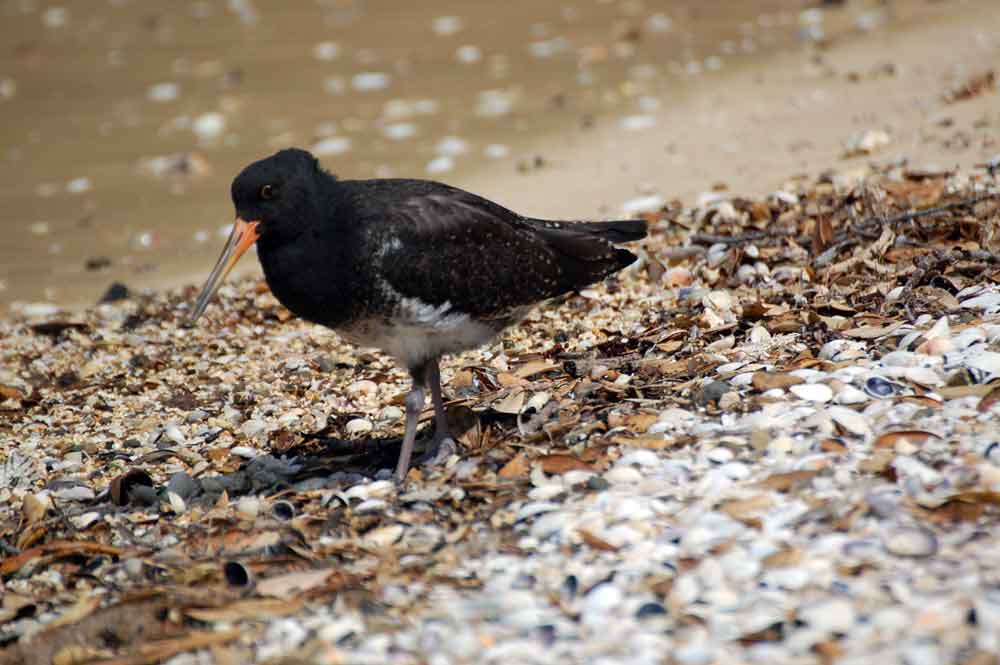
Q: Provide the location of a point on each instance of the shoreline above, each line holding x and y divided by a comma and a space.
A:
718, 131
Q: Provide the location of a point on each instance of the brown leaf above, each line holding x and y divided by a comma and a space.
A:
596, 542
647, 442
518, 467
915, 437
512, 403
974, 390
782, 482
10, 392
871, 332
57, 549
789, 556
768, 380
534, 367
747, 511
972, 87
558, 464
292, 584
989, 400
254, 609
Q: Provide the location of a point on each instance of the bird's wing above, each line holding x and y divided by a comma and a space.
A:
450, 246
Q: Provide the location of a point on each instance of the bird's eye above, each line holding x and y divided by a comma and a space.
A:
268, 192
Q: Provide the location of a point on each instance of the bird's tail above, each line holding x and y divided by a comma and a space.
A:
614, 231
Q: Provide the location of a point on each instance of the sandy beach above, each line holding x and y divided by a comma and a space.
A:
673, 102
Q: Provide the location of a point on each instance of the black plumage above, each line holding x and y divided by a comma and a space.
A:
415, 267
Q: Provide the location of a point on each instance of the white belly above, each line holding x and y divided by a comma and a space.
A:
419, 331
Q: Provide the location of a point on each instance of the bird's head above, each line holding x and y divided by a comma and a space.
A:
271, 196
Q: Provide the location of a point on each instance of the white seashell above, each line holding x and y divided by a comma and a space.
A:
985, 361
833, 616
910, 542
358, 426
720, 455
851, 395
248, 508
177, 503
601, 601
533, 508
760, 335
383, 536
174, 433
812, 392
623, 474
850, 420
370, 506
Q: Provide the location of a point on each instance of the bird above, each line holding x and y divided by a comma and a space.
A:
416, 268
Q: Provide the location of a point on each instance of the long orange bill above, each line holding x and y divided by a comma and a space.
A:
243, 235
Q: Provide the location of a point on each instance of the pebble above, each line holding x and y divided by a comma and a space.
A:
163, 92
331, 145
182, 484
209, 126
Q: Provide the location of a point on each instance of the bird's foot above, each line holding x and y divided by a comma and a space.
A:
439, 450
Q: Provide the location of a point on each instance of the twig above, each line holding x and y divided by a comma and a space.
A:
926, 212
750, 236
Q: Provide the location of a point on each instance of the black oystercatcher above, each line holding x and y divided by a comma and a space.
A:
413, 267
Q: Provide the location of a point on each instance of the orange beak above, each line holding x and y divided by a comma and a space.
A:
243, 235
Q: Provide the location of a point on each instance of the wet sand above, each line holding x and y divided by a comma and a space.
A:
556, 110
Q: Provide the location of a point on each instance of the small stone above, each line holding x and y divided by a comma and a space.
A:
114, 293
209, 126
182, 484
599, 483
712, 392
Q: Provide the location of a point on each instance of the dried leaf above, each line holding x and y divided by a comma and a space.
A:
292, 584
511, 404
783, 482
871, 332
989, 400
768, 380
517, 467
595, 542
892, 439
559, 464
